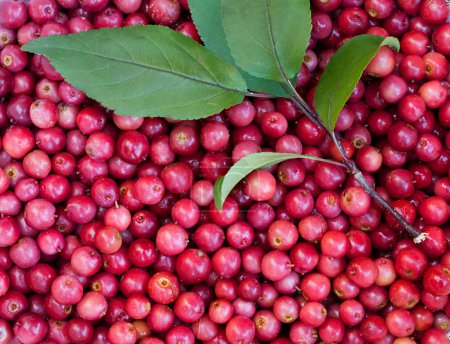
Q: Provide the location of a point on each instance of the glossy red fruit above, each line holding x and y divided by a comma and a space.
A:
30, 328
437, 280
163, 287
260, 185
240, 329
164, 12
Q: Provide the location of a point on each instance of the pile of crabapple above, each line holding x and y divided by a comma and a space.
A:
109, 232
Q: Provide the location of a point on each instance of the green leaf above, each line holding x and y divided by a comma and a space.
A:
207, 19
342, 74
268, 38
243, 167
145, 71
218, 201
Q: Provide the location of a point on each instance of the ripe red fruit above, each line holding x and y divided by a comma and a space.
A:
315, 287
437, 280
354, 201
260, 185
164, 12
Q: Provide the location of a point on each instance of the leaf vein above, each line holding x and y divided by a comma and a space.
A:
126, 50
199, 62
272, 42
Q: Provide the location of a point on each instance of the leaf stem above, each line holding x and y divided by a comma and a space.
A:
302, 105
332, 162
337, 140
351, 166
259, 95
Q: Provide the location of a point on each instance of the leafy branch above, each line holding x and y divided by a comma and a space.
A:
255, 48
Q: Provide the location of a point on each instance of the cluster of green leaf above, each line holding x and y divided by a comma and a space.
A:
256, 45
